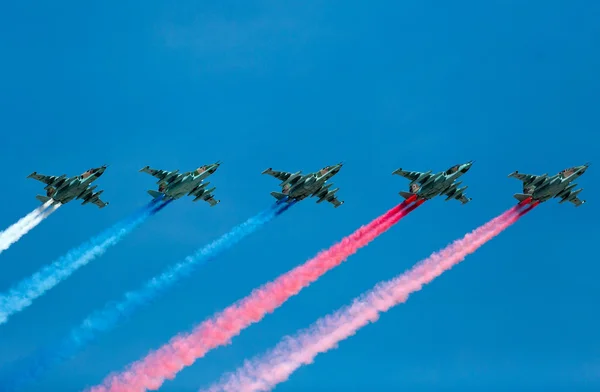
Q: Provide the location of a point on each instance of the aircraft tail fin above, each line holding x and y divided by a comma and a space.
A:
521, 196
155, 194
278, 195
43, 199
406, 195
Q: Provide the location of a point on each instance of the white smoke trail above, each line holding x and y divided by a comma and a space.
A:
22, 295
25, 224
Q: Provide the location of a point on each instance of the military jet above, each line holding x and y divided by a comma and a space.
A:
173, 185
427, 185
63, 189
542, 188
298, 186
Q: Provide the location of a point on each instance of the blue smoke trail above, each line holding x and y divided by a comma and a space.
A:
22, 294
107, 318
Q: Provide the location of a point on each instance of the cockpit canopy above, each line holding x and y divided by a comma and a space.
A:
568, 172
201, 169
452, 170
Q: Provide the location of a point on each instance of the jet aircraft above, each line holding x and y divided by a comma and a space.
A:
427, 185
542, 188
298, 186
63, 189
173, 185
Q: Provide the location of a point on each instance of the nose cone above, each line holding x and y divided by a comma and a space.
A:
213, 168
101, 170
465, 167
583, 168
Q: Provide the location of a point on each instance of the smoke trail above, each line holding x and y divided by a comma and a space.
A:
264, 373
114, 312
183, 350
22, 294
25, 224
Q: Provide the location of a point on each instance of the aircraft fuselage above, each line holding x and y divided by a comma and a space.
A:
69, 190
437, 184
304, 188
307, 185
182, 186
550, 187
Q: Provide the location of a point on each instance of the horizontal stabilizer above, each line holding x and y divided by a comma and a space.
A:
406, 195
155, 194
43, 199
278, 195
521, 196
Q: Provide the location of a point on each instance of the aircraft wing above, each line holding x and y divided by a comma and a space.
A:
572, 198
160, 174
212, 201
280, 175
336, 203
526, 178
463, 199
89, 196
99, 203
577, 201
324, 194
202, 193
413, 175
48, 180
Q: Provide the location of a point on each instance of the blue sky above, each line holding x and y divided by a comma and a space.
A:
297, 86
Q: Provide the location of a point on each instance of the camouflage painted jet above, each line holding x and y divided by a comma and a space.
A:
298, 186
172, 185
426, 185
542, 188
63, 189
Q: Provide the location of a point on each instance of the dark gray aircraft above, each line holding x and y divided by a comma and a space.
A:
542, 188
63, 189
426, 185
298, 186
172, 185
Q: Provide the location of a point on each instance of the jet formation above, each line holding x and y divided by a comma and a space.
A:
63, 189
543, 188
297, 186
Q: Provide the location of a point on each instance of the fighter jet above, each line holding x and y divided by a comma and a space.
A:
173, 185
298, 186
542, 188
63, 189
426, 185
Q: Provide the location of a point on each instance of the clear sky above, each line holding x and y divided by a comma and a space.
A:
297, 86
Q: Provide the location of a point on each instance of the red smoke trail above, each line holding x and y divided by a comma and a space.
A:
151, 371
265, 372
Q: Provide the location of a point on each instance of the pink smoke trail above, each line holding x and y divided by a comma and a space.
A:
164, 363
265, 372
